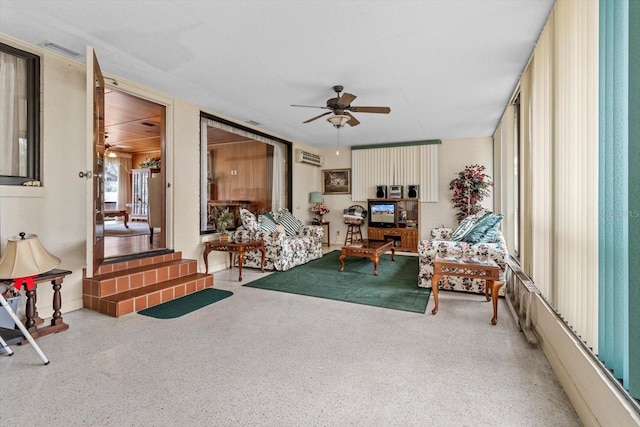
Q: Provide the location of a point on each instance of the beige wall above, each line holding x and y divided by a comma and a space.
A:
55, 211
454, 155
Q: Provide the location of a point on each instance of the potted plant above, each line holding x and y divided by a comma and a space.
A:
469, 188
220, 218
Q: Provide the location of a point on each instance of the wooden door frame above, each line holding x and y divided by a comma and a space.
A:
166, 145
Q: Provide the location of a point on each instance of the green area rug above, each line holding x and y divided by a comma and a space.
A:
395, 287
186, 304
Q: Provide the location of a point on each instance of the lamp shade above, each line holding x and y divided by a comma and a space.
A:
315, 197
339, 120
24, 257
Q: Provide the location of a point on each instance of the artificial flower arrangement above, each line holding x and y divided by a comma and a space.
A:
320, 209
151, 163
469, 189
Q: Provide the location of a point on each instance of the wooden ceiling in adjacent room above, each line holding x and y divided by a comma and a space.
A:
132, 125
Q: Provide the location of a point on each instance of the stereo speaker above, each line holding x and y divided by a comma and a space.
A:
412, 191
381, 191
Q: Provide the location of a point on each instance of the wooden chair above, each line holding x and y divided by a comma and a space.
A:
354, 217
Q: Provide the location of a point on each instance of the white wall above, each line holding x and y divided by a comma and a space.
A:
454, 155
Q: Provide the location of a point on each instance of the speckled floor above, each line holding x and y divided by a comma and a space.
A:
269, 358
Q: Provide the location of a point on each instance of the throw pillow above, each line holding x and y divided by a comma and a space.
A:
485, 229
290, 223
269, 216
249, 221
467, 224
266, 223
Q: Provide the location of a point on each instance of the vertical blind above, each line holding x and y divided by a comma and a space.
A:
559, 158
404, 164
619, 341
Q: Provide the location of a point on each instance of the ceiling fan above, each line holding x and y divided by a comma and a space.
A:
341, 106
110, 149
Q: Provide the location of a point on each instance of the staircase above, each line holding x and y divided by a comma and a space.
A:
131, 285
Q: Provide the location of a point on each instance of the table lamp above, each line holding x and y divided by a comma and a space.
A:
24, 258
315, 197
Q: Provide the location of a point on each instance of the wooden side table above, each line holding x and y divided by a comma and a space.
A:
234, 247
322, 224
32, 320
477, 267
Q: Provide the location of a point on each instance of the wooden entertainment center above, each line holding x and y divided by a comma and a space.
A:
407, 232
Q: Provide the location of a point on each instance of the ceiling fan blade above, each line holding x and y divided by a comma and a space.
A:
352, 121
346, 99
309, 106
317, 117
381, 110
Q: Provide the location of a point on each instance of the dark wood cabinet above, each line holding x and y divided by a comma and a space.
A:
407, 232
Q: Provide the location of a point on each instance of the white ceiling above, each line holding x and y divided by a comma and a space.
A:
447, 68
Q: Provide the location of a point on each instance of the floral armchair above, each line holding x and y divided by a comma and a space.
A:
428, 249
286, 247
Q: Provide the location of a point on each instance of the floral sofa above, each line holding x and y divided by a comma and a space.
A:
287, 241
442, 244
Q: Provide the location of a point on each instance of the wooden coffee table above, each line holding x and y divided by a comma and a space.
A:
116, 213
476, 267
239, 247
371, 249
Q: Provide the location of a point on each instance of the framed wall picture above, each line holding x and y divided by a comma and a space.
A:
336, 181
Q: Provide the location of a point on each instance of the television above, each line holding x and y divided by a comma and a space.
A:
383, 213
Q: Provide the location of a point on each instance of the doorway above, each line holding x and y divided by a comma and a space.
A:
134, 155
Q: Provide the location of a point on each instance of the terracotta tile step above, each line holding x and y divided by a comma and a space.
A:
148, 296
137, 262
125, 280
143, 268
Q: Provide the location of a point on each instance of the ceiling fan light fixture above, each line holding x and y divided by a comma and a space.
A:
112, 154
338, 120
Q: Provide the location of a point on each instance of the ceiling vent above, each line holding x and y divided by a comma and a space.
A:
59, 48
309, 158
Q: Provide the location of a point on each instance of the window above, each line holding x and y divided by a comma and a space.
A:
19, 116
516, 178
111, 184
240, 168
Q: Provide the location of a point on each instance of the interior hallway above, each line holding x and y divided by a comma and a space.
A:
275, 359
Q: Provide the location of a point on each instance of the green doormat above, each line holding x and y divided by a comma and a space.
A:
186, 304
395, 287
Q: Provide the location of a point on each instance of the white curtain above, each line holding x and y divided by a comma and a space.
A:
123, 163
124, 180
13, 116
415, 164
278, 190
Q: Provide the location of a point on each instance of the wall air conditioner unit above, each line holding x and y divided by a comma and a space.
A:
309, 158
